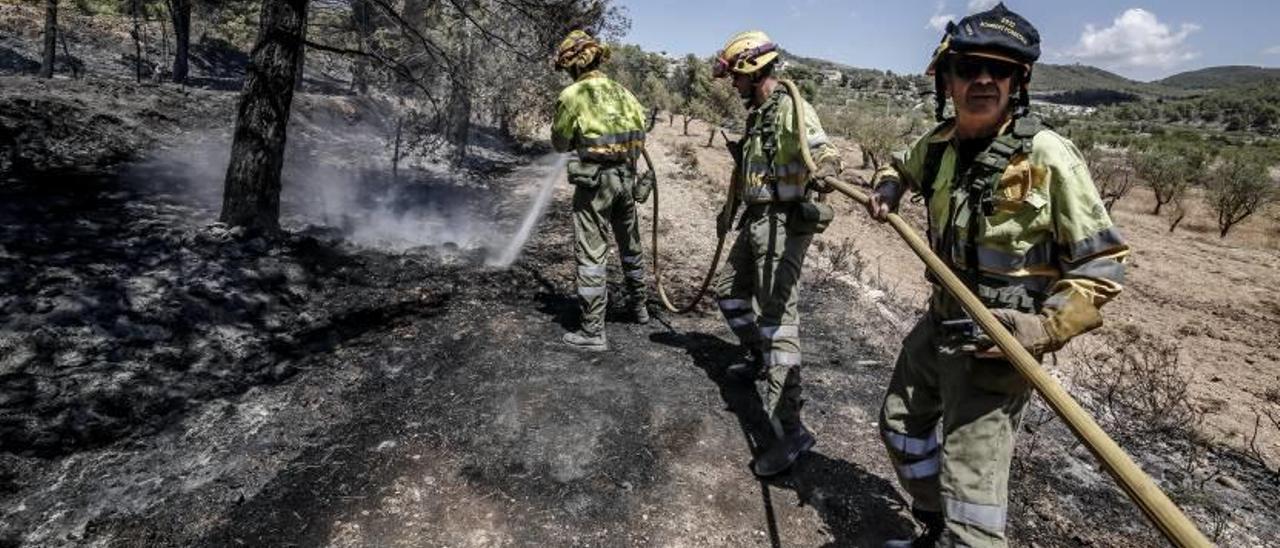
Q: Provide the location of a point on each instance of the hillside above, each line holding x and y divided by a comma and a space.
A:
1049, 78
1222, 77
388, 370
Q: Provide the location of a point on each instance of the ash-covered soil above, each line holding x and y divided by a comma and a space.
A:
180, 383
367, 379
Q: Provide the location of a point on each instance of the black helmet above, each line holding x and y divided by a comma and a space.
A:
997, 33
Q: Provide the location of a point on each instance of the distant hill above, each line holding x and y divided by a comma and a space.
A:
824, 64
1066, 78
1222, 77
1082, 84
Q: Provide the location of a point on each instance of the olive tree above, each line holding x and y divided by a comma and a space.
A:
1237, 187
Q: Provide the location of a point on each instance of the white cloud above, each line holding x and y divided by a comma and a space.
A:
1273, 50
976, 6
939, 22
1135, 39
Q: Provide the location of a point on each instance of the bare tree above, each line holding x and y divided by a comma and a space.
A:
135, 9
180, 13
459, 115
300, 73
878, 136
362, 20
1239, 186
1111, 175
1180, 211
693, 83
251, 195
1168, 172
50, 38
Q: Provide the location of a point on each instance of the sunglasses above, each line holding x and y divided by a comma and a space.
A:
969, 68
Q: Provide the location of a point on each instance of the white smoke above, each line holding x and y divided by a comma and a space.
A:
341, 178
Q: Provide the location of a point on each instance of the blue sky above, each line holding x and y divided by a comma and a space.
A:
1141, 40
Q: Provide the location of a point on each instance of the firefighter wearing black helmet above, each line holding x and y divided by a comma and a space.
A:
1013, 211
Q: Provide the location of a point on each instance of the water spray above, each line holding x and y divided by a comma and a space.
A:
555, 165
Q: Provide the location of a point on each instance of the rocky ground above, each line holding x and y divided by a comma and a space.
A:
169, 381
370, 379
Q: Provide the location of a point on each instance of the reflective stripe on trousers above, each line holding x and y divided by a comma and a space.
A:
976, 404
759, 284
607, 207
988, 517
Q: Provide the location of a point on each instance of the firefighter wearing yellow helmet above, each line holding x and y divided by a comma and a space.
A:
758, 288
1012, 209
604, 124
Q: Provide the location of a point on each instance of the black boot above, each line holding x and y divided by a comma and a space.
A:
784, 451
640, 312
934, 523
586, 341
749, 369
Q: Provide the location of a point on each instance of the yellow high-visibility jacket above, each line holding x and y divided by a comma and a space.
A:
771, 168
599, 119
1045, 243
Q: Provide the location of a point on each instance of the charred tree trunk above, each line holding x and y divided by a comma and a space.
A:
459, 114
135, 7
302, 55
251, 195
362, 19
506, 115
395, 155
66, 54
180, 12
712, 138
50, 38
459, 128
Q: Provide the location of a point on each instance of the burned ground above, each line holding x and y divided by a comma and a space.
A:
167, 381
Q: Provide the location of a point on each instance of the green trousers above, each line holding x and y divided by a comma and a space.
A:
757, 291
962, 468
597, 209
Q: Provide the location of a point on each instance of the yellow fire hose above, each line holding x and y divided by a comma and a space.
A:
1166, 516
657, 270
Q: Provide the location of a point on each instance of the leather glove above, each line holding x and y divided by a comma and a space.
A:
884, 200
1028, 329
724, 222
828, 168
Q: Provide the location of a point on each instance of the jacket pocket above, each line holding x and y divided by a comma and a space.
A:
643, 186
810, 217
583, 174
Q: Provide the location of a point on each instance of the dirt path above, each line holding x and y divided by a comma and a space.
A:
345, 396
464, 421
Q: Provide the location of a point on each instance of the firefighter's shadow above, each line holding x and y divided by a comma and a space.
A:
858, 507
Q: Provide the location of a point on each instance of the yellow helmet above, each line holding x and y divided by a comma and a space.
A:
745, 53
580, 50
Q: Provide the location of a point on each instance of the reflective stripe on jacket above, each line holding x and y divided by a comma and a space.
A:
780, 174
1047, 236
599, 119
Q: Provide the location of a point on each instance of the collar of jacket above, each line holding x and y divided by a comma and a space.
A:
772, 99
590, 74
948, 133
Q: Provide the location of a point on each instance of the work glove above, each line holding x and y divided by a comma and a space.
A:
1028, 329
724, 222
828, 168
884, 200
